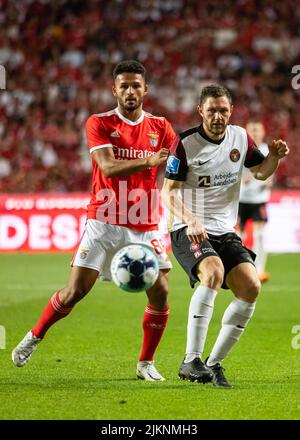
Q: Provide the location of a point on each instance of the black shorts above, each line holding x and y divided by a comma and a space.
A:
255, 211
228, 247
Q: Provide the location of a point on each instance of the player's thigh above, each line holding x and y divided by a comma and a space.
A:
82, 278
99, 243
191, 255
244, 282
233, 253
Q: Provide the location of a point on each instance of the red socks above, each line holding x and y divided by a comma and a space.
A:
54, 311
154, 323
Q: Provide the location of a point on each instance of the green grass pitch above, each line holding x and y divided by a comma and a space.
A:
85, 367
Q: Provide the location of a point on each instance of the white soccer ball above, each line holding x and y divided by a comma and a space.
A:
134, 268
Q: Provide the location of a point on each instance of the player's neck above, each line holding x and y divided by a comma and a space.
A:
133, 115
207, 134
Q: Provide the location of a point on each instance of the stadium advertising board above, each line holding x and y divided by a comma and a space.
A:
55, 222
41, 222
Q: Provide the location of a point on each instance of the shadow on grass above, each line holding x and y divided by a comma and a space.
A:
62, 384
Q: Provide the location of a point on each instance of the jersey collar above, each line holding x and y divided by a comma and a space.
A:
138, 121
204, 135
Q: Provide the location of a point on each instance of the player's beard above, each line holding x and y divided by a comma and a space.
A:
217, 128
130, 105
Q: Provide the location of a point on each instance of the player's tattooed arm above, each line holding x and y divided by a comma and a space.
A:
171, 199
278, 149
112, 167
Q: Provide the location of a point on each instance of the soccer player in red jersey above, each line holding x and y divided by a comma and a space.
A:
127, 147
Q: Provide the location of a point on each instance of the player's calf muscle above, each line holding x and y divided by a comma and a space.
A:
158, 298
71, 295
80, 283
158, 294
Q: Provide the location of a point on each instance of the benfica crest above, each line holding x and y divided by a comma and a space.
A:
83, 253
153, 139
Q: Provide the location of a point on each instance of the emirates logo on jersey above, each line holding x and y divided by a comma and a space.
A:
153, 139
235, 155
131, 153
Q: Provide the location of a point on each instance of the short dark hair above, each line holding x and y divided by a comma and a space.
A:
214, 91
129, 66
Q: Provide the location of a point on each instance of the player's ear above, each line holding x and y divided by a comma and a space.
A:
199, 110
114, 90
146, 89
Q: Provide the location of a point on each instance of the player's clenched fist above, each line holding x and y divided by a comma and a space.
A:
279, 148
158, 158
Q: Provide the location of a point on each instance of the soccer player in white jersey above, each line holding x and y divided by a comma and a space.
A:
201, 191
127, 146
254, 196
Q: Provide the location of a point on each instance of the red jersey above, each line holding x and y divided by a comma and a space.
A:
130, 201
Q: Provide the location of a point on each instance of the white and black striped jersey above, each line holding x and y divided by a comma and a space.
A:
211, 172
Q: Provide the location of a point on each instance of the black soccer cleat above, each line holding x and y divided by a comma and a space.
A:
195, 371
219, 379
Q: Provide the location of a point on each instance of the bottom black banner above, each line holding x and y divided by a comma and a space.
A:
93, 429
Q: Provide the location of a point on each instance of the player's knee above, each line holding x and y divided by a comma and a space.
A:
252, 288
213, 279
255, 287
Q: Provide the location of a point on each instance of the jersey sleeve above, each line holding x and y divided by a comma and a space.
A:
177, 167
170, 135
96, 134
254, 156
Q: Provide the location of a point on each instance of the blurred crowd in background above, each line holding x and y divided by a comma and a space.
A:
59, 56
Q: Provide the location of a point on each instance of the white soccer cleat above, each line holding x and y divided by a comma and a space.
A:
23, 351
146, 370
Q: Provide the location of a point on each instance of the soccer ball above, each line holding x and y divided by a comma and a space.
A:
134, 268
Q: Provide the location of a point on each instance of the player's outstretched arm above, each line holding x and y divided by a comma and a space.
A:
171, 199
113, 167
278, 149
